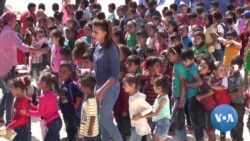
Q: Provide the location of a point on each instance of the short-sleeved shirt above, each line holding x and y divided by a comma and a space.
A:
131, 40
192, 70
179, 70
235, 82
165, 111
139, 22
208, 102
229, 53
89, 109
186, 42
55, 58
208, 31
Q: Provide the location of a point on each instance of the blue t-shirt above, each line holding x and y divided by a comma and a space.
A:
106, 63
191, 71
186, 42
67, 108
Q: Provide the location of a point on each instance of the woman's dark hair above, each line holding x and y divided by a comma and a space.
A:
132, 79
55, 6
162, 82
88, 81
21, 82
210, 18
106, 26
41, 6
50, 81
58, 16
58, 34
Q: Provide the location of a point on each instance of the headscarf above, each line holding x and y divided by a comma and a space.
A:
5, 18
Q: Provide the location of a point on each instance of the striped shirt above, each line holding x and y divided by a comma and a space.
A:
89, 109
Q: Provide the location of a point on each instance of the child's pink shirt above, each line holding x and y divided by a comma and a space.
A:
55, 58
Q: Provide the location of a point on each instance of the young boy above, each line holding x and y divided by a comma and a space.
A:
173, 8
193, 81
111, 11
186, 41
133, 64
89, 127
139, 21
88, 59
183, 16
235, 91
142, 36
192, 17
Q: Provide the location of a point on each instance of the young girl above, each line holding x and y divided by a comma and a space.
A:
19, 122
161, 109
87, 33
137, 107
131, 34
161, 41
89, 127
206, 95
151, 30
171, 28
210, 33
70, 102
58, 42
219, 84
47, 107
178, 84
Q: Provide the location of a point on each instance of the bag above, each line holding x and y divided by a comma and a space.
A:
178, 119
198, 114
44, 128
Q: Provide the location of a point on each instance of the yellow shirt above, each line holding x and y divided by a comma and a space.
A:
208, 37
230, 51
89, 109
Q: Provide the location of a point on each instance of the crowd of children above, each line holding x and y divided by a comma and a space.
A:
173, 61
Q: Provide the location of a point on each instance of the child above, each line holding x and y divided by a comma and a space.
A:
137, 106
124, 53
79, 49
171, 28
235, 90
80, 32
232, 47
58, 42
199, 44
19, 122
183, 16
210, 33
38, 62
88, 59
118, 36
219, 84
87, 33
111, 8
131, 34
174, 8
193, 81
89, 127
206, 95
133, 64
186, 41
162, 44
70, 102
58, 20
151, 30
176, 40
121, 108
70, 37
192, 21
200, 14
138, 20
142, 36
178, 84
161, 109
48, 109
157, 22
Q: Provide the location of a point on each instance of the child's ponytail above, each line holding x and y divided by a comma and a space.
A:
51, 81
21, 82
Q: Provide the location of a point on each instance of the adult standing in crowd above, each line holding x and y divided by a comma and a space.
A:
106, 68
30, 12
9, 43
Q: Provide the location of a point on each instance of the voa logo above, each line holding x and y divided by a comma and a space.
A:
224, 117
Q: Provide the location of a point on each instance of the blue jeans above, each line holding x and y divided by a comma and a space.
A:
219, 55
7, 99
198, 131
134, 136
23, 133
181, 134
105, 108
54, 128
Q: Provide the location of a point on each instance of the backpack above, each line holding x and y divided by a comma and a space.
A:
224, 36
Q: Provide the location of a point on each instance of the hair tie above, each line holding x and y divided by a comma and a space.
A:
23, 80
